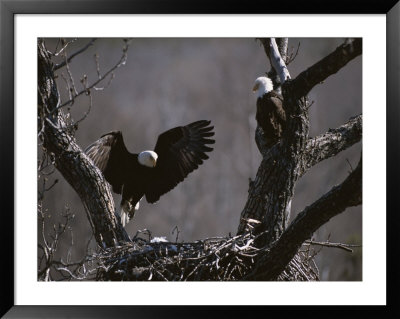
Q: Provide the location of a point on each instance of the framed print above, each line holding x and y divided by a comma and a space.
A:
225, 152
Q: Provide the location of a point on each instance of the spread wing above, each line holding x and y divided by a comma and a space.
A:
109, 154
180, 151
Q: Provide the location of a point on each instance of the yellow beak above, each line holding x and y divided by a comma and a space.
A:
255, 87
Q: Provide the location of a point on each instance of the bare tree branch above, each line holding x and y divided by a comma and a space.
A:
64, 43
347, 194
121, 62
277, 61
292, 56
346, 247
329, 65
60, 65
72, 163
277, 54
331, 143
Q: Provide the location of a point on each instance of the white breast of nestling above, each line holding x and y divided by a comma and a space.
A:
263, 85
148, 158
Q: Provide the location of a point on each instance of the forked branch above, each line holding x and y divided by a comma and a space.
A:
331, 143
347, 194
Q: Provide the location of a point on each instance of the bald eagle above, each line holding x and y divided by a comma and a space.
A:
178, 152
270, 114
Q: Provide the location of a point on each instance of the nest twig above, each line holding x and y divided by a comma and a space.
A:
217, 259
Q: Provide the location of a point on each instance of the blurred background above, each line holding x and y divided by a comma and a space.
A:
168, 82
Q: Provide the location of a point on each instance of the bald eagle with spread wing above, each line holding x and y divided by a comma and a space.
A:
178, 152
270, 115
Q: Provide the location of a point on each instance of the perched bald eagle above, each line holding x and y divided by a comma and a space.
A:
270, 114
178, 152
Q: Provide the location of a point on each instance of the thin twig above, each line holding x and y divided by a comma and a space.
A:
63, 48
121, 62
292, 57
60, 65
346, 247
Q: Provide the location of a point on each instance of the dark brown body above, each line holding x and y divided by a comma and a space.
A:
271, 116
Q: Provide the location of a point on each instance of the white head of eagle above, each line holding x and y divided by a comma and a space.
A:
148, 158
263, 85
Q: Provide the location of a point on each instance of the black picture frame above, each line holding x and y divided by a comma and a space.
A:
8, 10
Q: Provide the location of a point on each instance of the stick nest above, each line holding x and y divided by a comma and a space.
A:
216, 258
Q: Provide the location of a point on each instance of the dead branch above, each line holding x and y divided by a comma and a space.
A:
347, 194
331, 143
64, 43
346, 247
276, 51
329, 65
60, 65
120, 63
277, 61
292, 56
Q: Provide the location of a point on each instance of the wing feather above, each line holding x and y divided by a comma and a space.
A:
109, 154
180, 151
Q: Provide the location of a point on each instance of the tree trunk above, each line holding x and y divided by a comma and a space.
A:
72, 163
271, 193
